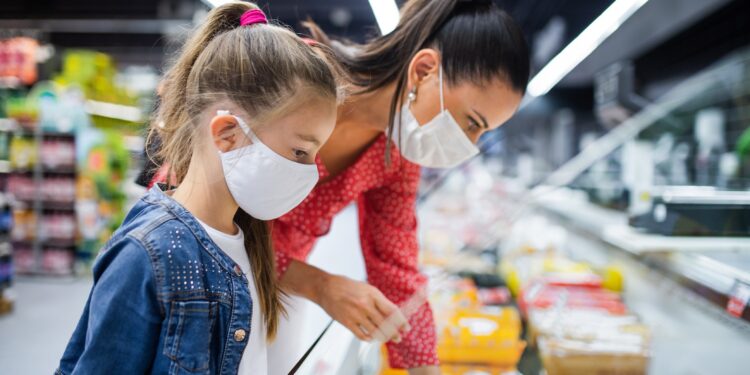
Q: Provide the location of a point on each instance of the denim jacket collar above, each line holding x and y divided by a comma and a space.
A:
156, 196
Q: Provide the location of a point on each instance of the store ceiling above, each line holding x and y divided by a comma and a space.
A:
144, 31
135, 30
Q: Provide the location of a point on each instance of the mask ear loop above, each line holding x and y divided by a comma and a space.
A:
243, 125
440, 79
240, 122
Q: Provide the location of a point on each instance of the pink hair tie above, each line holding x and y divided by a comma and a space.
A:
310, 42
253, 16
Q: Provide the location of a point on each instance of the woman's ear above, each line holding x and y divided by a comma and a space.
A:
425, 63
224, 132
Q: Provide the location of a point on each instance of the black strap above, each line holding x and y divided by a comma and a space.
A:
307, 353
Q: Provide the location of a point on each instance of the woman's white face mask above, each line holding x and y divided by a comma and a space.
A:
265, 184
440, 143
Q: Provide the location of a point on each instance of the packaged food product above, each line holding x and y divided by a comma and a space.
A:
57, 261
486, 336
541, 295
619, 350
23, 258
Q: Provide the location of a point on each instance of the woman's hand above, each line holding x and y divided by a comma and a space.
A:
363, 309
359, 306
428, 370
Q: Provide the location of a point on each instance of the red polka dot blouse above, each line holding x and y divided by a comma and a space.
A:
386, 202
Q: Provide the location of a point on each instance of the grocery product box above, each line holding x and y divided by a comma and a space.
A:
489, 336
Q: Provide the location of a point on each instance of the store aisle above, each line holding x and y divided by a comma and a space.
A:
34, 335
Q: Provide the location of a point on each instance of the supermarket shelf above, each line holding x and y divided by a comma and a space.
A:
45, 133
46, 170
67, 274
612, 227
48, 205
5, 250
709, 266
5, 166
8, 125
692, 334
629, 239
51, 242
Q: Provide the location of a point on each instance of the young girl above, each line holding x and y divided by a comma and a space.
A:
186, 285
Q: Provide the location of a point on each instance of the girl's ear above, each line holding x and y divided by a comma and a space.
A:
224, 132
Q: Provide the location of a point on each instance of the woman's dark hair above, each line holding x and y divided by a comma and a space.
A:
477, 40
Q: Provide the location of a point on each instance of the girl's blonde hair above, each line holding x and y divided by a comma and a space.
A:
265, 70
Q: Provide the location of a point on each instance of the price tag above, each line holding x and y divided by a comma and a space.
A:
738, 299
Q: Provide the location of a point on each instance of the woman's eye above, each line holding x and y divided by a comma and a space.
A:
300, 154
473, 126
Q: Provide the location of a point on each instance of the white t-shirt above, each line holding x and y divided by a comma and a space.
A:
255, 358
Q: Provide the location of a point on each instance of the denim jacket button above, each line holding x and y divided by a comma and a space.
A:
239, 335
237, 270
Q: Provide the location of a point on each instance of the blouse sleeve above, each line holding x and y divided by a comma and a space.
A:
289, 243
388, 231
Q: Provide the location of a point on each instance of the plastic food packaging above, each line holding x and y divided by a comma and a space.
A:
23, 258
541, 295
58, 226
58, 154
57, 261
24, 225
22, 153
494, 296
620, 350
590, 341
488, 336
451, 368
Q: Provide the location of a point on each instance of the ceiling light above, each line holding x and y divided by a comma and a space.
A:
386, 14
582, 46
215, 3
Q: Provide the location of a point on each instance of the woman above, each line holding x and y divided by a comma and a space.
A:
451, 71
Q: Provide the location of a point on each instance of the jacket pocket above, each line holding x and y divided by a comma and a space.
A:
189, 332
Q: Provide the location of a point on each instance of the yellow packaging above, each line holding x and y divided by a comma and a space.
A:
484, 336
450, 369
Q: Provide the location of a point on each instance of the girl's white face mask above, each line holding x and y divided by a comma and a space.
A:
265, 184
440, 143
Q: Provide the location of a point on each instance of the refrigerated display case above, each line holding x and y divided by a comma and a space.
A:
633, 257
679, 246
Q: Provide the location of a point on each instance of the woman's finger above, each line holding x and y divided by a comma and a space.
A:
394, 324
392, 314
357, 330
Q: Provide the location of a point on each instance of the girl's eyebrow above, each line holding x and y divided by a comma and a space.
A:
309, 138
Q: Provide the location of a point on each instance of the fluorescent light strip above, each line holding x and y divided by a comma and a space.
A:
215, 3
386, 14
582, 46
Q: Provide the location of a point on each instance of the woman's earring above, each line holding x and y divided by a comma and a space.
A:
412, 94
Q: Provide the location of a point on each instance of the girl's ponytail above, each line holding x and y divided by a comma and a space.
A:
173, 111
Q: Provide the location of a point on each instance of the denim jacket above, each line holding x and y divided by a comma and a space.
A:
165, 300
